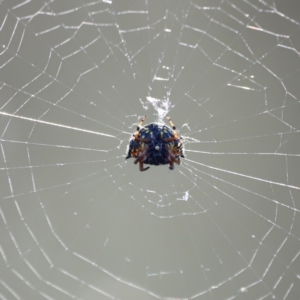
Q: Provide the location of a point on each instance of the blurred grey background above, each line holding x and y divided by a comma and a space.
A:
77, 221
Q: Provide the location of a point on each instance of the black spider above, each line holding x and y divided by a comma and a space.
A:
155, 144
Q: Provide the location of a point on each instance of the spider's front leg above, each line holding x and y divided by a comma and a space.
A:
180, 146
175, 137
136, 134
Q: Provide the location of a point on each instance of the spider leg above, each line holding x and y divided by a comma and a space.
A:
140, 161
137, 160
129, 152
180, 145
136, 134
142, 167
172, 158
141, 158
175, 137
171, 167
142, 140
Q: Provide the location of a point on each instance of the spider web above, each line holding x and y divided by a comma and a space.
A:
78, 221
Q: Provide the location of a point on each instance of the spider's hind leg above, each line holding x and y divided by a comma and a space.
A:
171, 165
141, 158
142, 167
139, 161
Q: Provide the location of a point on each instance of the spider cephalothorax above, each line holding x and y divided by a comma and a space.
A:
155, 144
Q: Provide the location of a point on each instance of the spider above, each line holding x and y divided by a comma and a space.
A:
155, 144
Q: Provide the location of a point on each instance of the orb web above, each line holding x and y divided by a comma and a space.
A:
78, 221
